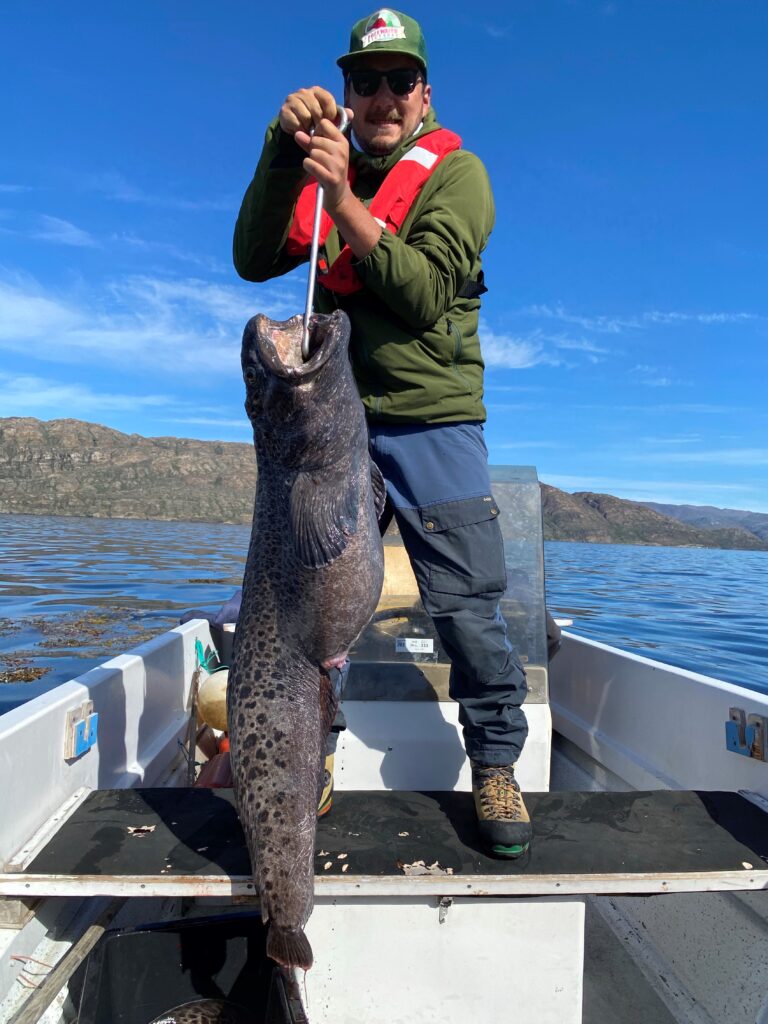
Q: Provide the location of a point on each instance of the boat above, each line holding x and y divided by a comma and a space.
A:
126, 890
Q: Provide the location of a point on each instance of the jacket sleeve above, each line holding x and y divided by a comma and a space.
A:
419, 273
267, 209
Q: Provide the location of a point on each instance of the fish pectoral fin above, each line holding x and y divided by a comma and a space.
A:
323, 517
379, 489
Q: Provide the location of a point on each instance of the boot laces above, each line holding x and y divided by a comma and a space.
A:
498, 791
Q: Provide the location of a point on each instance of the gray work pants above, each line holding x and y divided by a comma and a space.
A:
440, 494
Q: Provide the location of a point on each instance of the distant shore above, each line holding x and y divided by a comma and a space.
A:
73, 468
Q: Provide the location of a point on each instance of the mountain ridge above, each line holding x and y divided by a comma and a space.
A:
707, 516
72, 467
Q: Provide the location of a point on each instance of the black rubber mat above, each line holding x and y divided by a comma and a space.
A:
195, 832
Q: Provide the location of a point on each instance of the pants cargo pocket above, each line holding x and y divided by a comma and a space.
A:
463, 547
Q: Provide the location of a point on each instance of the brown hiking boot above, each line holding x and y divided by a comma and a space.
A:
326, 796
502, 819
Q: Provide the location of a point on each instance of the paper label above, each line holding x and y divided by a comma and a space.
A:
381, 27
414, 645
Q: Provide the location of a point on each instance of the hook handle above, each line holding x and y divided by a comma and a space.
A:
343, 121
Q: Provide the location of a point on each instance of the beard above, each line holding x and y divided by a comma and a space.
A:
379, 148
374, 147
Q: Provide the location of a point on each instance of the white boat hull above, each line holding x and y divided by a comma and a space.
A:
621, 722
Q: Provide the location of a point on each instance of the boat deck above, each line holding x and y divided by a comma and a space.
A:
166, 842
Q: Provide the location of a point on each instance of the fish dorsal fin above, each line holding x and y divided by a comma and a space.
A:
379, 489
323, 516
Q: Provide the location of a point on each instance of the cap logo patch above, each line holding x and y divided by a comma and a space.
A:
381, 27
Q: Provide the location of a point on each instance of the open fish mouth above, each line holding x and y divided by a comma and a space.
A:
279, 343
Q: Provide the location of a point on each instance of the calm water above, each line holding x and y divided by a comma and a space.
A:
76, 591
700, 609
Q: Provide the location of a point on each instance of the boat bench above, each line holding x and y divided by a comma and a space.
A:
409, 912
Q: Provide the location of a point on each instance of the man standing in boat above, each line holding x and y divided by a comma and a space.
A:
408, 214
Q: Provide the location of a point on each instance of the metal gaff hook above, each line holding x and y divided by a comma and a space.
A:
343, 122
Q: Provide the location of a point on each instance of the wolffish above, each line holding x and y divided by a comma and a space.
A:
312, 580
204, 1011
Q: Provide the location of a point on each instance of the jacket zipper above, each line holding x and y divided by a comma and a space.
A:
455, 333
453, 330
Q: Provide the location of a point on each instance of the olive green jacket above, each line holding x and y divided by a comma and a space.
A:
414, 344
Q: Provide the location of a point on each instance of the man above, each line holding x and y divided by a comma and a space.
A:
409, 214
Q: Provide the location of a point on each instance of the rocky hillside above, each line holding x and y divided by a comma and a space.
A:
708, 517
67, 467
601, 518
71, 468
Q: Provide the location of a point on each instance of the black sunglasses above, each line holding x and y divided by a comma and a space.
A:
401, 81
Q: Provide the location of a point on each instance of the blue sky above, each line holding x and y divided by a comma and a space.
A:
626, 324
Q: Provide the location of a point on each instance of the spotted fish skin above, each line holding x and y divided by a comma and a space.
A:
312, 581
204, 1011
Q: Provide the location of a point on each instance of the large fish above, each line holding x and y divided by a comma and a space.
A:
312, 581
204, 1011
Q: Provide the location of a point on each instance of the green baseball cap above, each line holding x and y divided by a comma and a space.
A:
386, 31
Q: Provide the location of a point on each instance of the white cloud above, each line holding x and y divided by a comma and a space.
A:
27, 313
507, 445
503, 350
692, 408
678, 439
601, 324
25, 395
508, 407
616, 324
673, 408
651, 377
580, 345
715, 457
498, 31
54, 229
242, 423
115, 186
44, 228
656, 317
168, 297
186, 325
15, 188
535, 348
168, 249
514, 388
614, 484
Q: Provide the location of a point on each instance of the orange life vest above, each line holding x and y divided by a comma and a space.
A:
389, 207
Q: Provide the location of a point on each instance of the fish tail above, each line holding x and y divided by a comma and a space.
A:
289, 947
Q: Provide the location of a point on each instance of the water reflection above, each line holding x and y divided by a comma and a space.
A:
76, 591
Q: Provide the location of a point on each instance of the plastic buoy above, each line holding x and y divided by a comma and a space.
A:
212, 700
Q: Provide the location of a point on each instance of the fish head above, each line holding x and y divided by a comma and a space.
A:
294, 403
